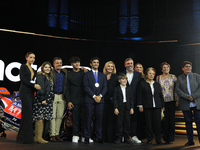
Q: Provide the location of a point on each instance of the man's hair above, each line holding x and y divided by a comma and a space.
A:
74, 59
56, 58
185, 63
94, 58
127, 59
122, 76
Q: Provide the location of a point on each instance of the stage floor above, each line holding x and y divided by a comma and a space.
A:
9, 143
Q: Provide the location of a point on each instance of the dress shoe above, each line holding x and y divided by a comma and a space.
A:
166, 142
58, 139
86, 141
159, 142
118, 141
189, 143
149, 142
52, 139
99, 141
129, 141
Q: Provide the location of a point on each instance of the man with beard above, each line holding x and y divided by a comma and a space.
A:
134, 78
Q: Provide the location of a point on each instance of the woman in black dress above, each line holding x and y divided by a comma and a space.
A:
108, 126
150, 98
43, 104
26, 93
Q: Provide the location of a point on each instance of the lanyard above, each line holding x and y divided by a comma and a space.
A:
96, 76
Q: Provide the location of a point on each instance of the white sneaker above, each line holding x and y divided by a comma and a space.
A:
90, 140
136, 140
122, 139
75, 139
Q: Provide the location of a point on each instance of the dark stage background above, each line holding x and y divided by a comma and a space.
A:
149, 31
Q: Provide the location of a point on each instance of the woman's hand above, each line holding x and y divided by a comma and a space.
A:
163, 108
116, 112
37, 86
44, 102
141, 109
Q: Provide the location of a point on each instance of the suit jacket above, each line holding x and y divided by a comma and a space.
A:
25, 77
75, 90
112, 83
65, 80
118, 98
145, 96
182, 90
134, 84
91, 90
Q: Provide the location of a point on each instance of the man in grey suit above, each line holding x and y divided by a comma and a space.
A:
188, 89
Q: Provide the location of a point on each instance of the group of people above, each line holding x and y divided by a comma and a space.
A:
122, 105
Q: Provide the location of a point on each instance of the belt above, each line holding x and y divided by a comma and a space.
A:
58, 93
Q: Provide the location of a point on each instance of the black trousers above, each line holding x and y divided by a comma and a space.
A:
108, 123
97, 109
133, 123
123, 123
153, 123
188, 115
78, 118
169, 121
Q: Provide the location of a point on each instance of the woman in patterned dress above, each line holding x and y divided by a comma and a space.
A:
43, 104
167, 82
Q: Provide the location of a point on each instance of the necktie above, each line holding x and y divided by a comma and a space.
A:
188, 85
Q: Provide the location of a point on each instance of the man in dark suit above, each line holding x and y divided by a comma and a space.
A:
123, 105
95, 86
188, 89
134, 78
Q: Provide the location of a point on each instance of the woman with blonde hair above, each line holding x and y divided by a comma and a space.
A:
43, 104
150, 100
139, 68
108, 116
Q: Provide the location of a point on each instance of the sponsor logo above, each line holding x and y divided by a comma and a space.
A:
7, 70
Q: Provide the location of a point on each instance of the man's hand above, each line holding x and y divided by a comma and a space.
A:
84, 69
97, 99
141, 109
70, 105
131, 111
177, 103
116, 111
190, 98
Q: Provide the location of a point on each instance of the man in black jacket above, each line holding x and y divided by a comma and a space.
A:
134, 78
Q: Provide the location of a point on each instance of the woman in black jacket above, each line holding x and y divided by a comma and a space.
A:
150, 100
43, 104
108, 126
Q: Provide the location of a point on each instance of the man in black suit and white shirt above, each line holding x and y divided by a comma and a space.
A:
134, 78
